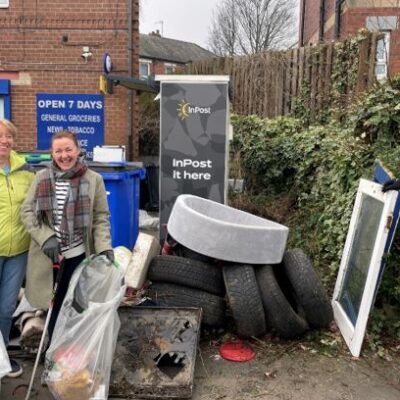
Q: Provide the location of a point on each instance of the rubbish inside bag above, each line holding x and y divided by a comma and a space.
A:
78, 361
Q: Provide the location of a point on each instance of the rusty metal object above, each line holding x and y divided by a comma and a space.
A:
155, 353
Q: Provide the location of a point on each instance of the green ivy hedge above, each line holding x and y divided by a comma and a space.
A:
320, 166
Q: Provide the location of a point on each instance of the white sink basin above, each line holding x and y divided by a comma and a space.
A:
225, 233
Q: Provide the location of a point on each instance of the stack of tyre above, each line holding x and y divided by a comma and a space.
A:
286, 298
183, 281
231, 263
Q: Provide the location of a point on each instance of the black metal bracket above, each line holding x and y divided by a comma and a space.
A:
139, 85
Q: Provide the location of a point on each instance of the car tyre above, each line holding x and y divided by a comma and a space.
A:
244, 299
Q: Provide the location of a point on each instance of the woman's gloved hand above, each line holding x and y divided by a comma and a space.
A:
109, 254
392, 184
50, 248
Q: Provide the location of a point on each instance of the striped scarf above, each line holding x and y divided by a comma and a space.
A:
77, 206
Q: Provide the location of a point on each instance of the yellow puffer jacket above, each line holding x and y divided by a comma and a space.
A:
13, 188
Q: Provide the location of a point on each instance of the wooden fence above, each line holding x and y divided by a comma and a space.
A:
273, 83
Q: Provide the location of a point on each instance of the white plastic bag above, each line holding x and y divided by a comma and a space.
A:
5, 366
78, 361
146, 221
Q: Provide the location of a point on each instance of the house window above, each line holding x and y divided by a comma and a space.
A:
144, 69
4, 3
169, 68
382, 56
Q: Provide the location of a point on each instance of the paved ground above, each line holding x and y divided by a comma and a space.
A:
318, 367
309, 370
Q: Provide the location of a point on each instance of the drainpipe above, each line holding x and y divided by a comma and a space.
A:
302, 15
130, 74
338, 15
321, 20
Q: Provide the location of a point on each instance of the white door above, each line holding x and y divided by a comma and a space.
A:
361, 261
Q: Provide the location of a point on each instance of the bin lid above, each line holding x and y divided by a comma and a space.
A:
39, 165
118, 166
36, 157
117, 170
123, 175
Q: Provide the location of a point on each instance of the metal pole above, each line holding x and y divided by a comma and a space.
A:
130, 74
60, 266
39, 353
162, 27
321, 21
338, 18
302, 15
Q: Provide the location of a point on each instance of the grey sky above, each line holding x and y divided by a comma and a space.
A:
186, 20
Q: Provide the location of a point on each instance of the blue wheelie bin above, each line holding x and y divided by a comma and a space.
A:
122, 182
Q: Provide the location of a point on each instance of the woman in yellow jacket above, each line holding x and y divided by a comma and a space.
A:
15, 179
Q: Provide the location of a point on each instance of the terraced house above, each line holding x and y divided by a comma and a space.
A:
163, 56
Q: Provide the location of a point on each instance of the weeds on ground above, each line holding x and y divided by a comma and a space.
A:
307, 177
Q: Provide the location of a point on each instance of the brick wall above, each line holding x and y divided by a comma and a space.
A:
352, 19
357, 17
41, 43
158, 67
394, 55
329, 29
312, 20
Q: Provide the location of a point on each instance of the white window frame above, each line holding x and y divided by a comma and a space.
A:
384, 61
169, 65
354, 334
142, 62
4, 3
2, 107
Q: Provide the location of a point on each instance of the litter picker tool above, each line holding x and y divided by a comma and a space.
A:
60, 268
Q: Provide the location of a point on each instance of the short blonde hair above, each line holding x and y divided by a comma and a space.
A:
9, 126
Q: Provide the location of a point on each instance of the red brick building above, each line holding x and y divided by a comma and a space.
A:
326, 20
53, 46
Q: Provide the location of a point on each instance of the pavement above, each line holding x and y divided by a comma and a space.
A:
319, 366
285, 370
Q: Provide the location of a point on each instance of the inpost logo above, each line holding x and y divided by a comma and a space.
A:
185, 109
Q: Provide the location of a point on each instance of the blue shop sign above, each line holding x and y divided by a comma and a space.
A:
82, 114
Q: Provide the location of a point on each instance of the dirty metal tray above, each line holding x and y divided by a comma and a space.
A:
155, 353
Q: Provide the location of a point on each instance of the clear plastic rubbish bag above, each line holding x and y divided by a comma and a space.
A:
5, 366
78, 361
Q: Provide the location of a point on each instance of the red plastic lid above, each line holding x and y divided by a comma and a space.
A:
236, 351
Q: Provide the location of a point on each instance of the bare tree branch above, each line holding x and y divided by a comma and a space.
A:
223, 32
251, 26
